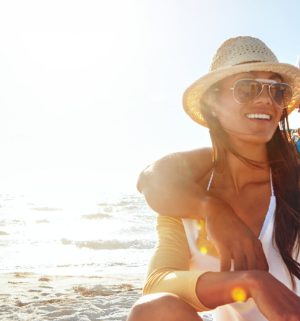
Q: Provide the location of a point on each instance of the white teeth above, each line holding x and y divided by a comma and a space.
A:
258, 116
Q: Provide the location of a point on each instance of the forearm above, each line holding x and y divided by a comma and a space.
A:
187, 200
203, 290
191, 202
214, 289
273, 298
183, 201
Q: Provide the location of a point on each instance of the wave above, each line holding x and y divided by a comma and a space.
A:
46, 209
96, 216
42, 221
130, 202
111, 244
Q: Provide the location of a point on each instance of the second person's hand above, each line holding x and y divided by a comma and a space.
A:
235, 243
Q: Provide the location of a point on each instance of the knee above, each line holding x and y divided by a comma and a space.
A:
161, 307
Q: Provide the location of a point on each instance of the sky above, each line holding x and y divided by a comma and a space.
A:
91, 90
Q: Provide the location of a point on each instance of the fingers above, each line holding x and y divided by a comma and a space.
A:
251, 260
262, 263
248, 255
225, 258
251, 254
240, 260
235, 258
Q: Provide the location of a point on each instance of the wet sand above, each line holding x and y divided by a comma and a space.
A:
28, 296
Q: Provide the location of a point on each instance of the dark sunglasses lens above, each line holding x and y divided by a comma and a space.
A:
281, 93
246, 90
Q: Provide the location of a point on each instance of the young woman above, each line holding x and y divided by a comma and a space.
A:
229, 223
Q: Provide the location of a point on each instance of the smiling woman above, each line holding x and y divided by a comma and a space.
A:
245, 89
226, 204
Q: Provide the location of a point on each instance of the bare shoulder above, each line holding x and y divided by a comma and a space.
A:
192, 163
176, 169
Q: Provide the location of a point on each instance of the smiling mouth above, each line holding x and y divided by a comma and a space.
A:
259, 116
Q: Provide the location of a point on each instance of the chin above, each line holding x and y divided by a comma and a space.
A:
258, 139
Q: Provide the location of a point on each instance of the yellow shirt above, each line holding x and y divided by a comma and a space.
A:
169, 267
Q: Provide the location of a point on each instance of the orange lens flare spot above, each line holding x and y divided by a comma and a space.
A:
238, 294
203, 249
200, 224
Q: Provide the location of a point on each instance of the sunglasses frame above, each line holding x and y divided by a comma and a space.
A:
263, 82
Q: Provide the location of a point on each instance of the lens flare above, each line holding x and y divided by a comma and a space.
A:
200, 224
238, 294
203, 249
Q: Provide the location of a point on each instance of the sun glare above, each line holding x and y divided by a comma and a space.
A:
238, 294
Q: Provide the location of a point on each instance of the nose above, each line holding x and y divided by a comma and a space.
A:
264, 96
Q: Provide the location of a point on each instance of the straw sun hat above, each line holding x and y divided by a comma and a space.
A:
236, 55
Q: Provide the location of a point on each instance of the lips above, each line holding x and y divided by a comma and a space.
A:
260, 116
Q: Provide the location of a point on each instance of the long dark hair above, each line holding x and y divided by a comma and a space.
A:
283, 160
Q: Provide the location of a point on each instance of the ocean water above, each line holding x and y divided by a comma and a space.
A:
108, 237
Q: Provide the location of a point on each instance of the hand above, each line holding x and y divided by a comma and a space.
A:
275, 301
233, 240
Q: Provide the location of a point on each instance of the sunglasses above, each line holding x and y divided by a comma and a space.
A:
246, 90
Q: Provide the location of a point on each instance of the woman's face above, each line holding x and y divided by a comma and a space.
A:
254, 121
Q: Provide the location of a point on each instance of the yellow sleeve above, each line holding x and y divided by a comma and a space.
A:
169, 267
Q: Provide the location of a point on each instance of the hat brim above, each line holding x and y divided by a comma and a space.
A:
193, 94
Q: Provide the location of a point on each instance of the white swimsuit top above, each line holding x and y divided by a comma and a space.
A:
240, 311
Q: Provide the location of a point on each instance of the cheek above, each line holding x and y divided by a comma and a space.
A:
226, 108
229, 115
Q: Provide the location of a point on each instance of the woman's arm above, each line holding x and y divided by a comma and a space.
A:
171, 184
171, 187
274, 300
168, 272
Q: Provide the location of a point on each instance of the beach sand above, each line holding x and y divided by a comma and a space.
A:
32, 297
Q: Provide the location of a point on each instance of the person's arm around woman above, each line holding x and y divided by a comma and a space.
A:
171, 187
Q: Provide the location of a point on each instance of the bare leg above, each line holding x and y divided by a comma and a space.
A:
162, 307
